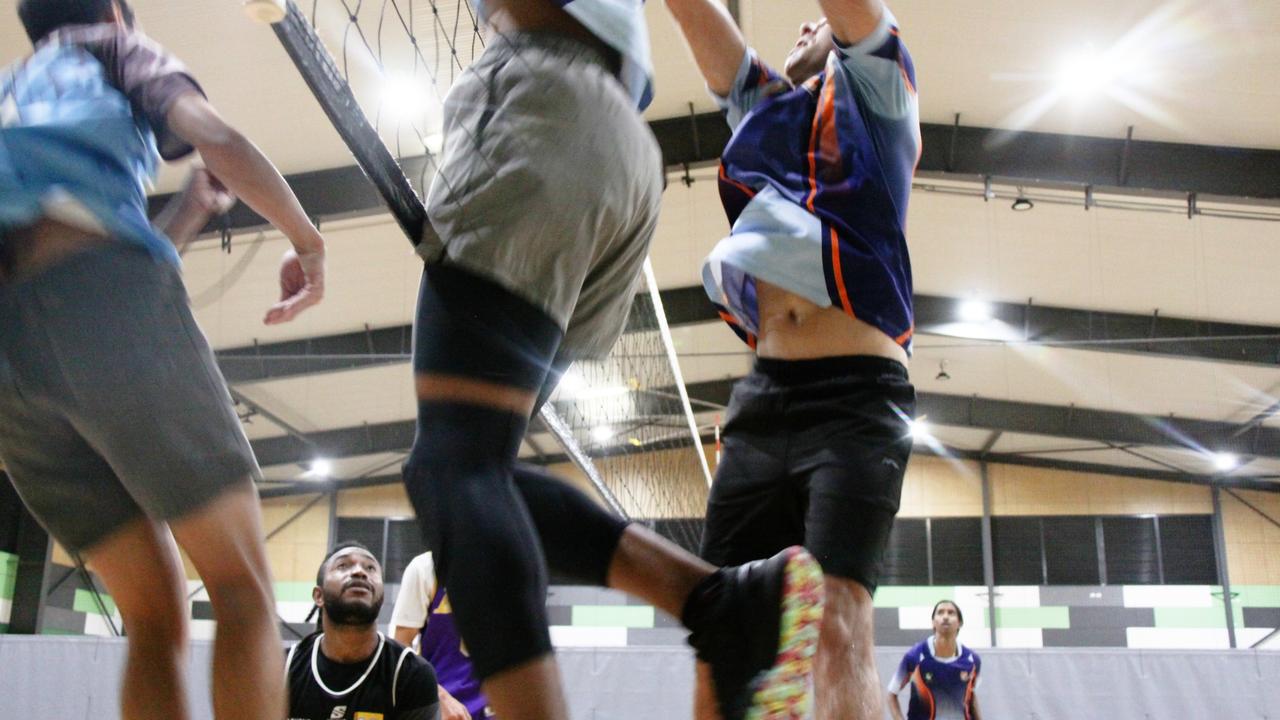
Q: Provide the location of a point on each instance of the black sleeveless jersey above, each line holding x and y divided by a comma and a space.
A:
393, 684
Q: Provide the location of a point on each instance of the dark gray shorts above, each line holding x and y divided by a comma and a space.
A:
111, 403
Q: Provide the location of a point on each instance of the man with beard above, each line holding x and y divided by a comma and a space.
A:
348, 670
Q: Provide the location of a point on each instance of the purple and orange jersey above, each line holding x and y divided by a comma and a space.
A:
815, 182
940, 689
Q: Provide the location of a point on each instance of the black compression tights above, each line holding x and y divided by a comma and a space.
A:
481, 513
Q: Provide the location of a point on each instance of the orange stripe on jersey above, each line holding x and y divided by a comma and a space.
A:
839, 273
925, 693
968, 696
729, 318
725, 177
813, 161
823, 130
904, 337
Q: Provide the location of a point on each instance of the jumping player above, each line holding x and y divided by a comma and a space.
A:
545, 202
116, 426
815, 277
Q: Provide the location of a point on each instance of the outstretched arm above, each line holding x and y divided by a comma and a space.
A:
852, 21
242, 167
714, 38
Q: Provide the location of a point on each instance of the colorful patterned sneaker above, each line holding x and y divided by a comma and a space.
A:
760, 633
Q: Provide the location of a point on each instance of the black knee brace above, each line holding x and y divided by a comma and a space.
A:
487, 555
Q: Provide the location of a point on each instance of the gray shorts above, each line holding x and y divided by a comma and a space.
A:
111, 403
549, 184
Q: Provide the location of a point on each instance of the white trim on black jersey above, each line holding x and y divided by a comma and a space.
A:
315, 668
395, 679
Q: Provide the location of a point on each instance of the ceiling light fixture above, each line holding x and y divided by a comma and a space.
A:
1225, 461
942, 375
976, 311
1022, 203
320, 469
602, 433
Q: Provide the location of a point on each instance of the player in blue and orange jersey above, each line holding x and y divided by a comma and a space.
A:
816, 278
943, 674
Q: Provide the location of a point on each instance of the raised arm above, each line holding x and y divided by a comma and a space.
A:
714, 38
242, 167
852, 21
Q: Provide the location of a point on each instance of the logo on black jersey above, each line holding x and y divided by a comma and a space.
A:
338, 713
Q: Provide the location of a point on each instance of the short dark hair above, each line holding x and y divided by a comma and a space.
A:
953, 604
347, 545
42, 17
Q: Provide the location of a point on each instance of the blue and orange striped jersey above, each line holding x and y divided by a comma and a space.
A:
815, 181
620, 24
940, 689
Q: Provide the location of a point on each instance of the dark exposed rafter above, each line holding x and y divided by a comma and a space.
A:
1104, 426
1013, 157
1243, 483
1068, 327
944, 410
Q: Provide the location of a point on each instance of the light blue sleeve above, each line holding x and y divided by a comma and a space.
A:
754, 82
882, 70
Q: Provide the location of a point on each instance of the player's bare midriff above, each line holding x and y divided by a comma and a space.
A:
793, 328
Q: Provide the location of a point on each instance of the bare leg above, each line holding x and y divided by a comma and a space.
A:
531, 690
153, 605
704, 695
652, 568
225, 543
847, 684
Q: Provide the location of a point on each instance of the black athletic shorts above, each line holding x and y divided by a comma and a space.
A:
814, 454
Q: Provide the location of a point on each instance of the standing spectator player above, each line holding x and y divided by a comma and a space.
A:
422, 611
943, 674
348, 670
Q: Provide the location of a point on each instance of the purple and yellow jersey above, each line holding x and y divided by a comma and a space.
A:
441, 644
940, 689
422, 603
815, 181
620, 24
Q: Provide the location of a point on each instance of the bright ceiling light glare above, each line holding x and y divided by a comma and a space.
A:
320, 469
602, 433
976, 311
1085, 74
405, 98
1090, 73
572, 382
919, 429
1225, 461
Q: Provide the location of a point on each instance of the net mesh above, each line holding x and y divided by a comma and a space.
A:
381, 70
399, 58
628, 415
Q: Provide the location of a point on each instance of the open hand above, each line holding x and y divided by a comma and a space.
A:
301, 285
